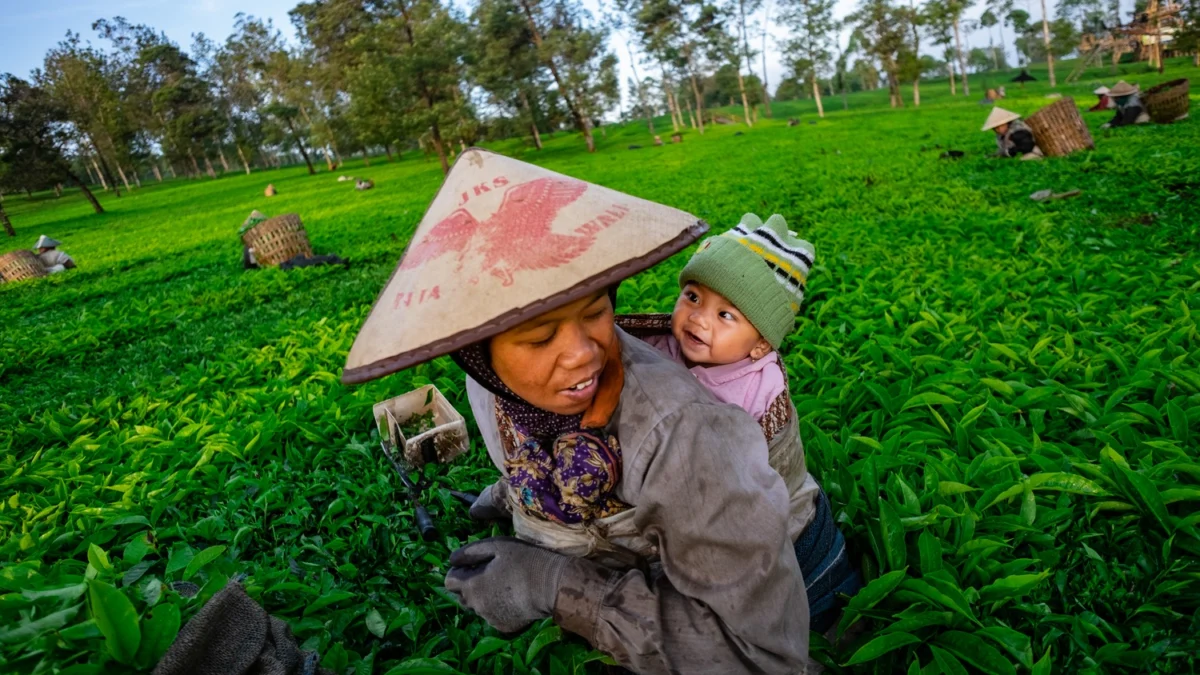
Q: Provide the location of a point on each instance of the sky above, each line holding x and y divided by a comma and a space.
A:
28, 28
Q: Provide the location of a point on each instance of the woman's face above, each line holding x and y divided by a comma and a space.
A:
554, 361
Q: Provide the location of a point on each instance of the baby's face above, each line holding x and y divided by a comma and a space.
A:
711, 331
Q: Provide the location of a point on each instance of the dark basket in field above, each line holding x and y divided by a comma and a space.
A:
21, 264
278, 239
1059, 128
1167, 101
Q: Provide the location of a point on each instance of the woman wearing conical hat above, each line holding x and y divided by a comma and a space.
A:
1129, 106
1013, 137
1104, 102
54, 260
648, 518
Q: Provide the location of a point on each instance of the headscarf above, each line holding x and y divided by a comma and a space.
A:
564, 468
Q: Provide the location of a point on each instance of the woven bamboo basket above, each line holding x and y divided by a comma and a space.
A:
1167, 101
21, 264
1059, 128
278, 239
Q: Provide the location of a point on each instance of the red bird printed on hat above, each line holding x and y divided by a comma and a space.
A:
516, 237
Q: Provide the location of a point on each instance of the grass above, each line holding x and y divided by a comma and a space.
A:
1000, 396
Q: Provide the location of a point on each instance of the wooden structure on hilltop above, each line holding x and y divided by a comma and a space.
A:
1149, 36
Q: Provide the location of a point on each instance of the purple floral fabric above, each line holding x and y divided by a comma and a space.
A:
571, 481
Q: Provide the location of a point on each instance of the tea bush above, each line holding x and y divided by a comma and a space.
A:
1001, 397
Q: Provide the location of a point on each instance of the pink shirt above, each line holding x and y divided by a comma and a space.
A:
752, 385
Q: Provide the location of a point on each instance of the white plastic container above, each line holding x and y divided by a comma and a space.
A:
449, 432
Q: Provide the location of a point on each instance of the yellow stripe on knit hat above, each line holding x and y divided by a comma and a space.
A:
774, 259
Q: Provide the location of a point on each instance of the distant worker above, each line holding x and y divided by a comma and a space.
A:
270, 191
1013, 137
1105, 102
55, 260
1128, 104
364, 184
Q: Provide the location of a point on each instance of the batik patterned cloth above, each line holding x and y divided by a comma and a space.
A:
570, 482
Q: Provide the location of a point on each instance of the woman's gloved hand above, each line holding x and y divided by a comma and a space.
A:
506, 581
492, 503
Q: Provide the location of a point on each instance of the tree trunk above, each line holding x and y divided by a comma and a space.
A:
817, 95
6, 222
845, 101
137, 179
195, 170
435, 135
106, 176
745, 56
672, 104
766, 89
242, 156
962, 63
91, 176
691, 112
208, 168
641, 90
537, 137
300, 144
1046, 40
699, 103
58, 190
387, 150
124, 180
86, 192
581, 121
917, 93
221, 156
894, 90
157, 173
953, 89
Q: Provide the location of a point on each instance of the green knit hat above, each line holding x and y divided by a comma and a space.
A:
759, 267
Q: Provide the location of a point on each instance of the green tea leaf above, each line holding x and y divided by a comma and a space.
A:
1015, 586
1014, 642
159, 628
486, 646
25, 631
928, 398
976, 652
880, 646
376, 624
201, 559
892, 532
546, 636
98, 558
117, 620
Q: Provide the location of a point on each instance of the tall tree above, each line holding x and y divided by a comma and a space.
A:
911, 65
810, 49
1019, 20
1046, 40
569, 48
939, 24
76, 76
882, 34
33, 142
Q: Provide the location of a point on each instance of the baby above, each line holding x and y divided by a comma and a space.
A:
739, 299
740, 295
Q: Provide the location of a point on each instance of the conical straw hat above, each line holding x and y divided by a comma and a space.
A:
999, 116
1122, 88
46, 242
1101, 90
503, 242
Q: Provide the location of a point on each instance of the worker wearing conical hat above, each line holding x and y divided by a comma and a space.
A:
1013, 137
611, 457
1128, 105
1104, 102
53, 259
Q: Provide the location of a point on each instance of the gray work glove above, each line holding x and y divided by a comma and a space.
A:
492, 503
506, 581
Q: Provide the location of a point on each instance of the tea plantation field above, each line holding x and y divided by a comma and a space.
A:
1001, 397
